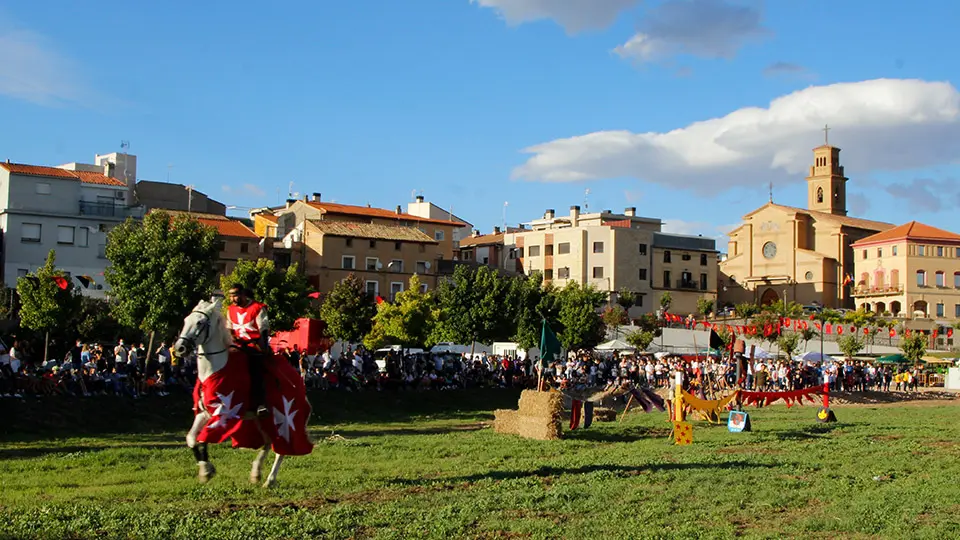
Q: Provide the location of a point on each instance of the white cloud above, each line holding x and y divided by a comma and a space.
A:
703, 28
250, 190
573, 15
858, 203
253, 190
883, 124
926, 195
699, 228
34, 71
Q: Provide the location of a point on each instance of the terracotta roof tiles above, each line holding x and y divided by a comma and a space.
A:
865, 224
913, 230
348, 209
372, 231
482, 240
56, 172
224, 225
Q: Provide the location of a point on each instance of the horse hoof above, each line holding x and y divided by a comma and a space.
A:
207, 472
255, 478
269, 483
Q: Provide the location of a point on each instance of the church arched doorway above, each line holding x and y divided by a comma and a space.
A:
895, 307
769, 296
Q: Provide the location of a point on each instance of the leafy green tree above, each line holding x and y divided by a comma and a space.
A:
641, 339
8, 301
788, 343
746, 310
94, 321
764, 321
704, 306
471, 306
806, 335
408, 322
159, 269
850, 345
666, 300
790, 310
348, 310
614, 316
534, 301
284, 292
583, 327
44, 304
914, 347
626, 299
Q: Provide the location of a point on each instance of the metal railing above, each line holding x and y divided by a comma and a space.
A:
101, 209
878, 291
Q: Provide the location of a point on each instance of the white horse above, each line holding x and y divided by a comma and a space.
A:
204, 330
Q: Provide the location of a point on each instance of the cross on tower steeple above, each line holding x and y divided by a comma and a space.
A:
826, 134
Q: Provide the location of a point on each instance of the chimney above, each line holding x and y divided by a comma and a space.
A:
419, 198
476, 232
496, 230
108, 168
316, 197
399, 210
574, 216
607, 212
290, 202
631, 211
549, 214
306, 199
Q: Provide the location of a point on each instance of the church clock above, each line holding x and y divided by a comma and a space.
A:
769, 250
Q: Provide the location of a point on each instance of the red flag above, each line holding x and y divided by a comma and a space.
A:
839, 329
866, 331
61, 282
786, 322
818, 326
853, 328
949, 332
907, 332
893, 332
935, 332
379, 299
314, 295
828, 328
812, 316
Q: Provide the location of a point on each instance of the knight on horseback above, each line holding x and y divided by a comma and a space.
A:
250, 328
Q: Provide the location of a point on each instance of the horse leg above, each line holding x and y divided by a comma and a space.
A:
257, 471
272, 477
207, 470
199, 421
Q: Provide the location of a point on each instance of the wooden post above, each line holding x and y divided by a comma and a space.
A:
678, 397
625, 409
46, 346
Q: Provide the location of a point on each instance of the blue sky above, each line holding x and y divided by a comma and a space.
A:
686, 109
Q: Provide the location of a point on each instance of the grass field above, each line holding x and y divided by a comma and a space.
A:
424, 465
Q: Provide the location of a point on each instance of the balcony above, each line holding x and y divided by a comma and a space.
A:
109, 210
688, 285
888, 290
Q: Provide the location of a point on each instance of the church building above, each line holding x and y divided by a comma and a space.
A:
801, 254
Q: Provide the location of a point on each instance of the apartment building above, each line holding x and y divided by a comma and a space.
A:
69, 209
497, 249
910, 271
235, 240
687, 268
426, 209
171, 196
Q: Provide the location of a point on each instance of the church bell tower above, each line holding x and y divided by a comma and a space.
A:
826, 185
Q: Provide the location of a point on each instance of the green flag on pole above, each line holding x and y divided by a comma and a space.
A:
549, 345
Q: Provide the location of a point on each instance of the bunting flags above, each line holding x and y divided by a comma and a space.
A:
85, 281
314, 295
775, 328
61, 282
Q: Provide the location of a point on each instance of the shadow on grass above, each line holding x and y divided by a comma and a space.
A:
629, 434
550, 472
45, 451
438, 430
815, 431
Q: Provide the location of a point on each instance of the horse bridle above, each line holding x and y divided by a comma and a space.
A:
193, 342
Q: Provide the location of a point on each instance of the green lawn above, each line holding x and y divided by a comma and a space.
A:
423, 465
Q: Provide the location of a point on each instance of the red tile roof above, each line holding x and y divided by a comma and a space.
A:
372, 231
55, 172
482, 240
269, 217
913, 230
366, 211
225, 226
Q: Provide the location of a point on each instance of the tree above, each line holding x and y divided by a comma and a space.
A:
284, 292
626, 299
746, 310
582, 326
348, 310
47, 299
614, 316
408, 322
785, 309
471, 306
527, 303
641, 339
788, 343
850, 345
806, 335
914, 347
704, 306
665, 300
94, 321
159, 269
768, 325
8, 299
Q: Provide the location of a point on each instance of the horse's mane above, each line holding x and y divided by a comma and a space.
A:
214, 310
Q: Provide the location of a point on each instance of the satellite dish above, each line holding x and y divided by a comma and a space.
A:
426, 265
379, 265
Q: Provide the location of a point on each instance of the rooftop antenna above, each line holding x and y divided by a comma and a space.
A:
413, 194
169, 166
505, 205
586, 204
291, 194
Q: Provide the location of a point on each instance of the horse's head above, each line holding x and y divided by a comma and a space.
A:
203, 323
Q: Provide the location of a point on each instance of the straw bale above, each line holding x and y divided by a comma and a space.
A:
539, 428
505, 421
533, 403
604, 414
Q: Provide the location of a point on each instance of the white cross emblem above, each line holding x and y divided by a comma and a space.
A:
242, 327
284, 420
224, 411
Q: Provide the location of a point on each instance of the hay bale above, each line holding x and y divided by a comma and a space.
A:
539, 415
604, 414
505, 421
531, 427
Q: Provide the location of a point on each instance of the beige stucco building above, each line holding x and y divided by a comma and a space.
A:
801, 254
910, 271
613, 252
235, 241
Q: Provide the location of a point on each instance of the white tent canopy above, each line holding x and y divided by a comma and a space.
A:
760, 353
815, 357
615, 345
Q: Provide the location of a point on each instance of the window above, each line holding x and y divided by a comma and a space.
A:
879, 252
83, 236
686, 279
348, 242
534, 251
421, 267
397, 246
642, 274
30, 232
548, 250
396, 265
703, 282
703, 259
244, 247
597, 272
666, 279
220, 245
639, 300
65, 235
864, 254
486, 260
347, 262
563, 249
467, 255
819, 194
893, 251
956, 279
438, 235
563, 273
373, 244
921, 278
598, 247
939, 310
422, 248
921, 250
643, 249
373, 288
956, 310
939, 251
395, 288
423, 287
548, 273
520, 252
666, 256
22, 272
371, 264
808, 276
102, 251
43, 189
940, 280
894, 278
